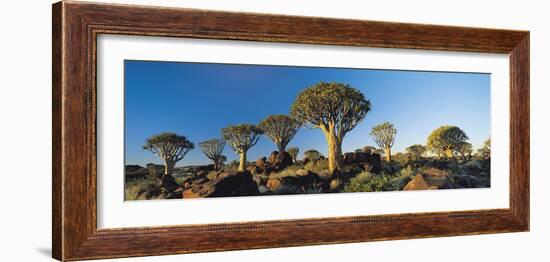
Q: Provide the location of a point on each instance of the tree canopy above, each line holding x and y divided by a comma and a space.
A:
465, 149
280, 129
312, 155
446, 140
368, 149
213, 149
416, 151
384, 136
330, 105
170, 147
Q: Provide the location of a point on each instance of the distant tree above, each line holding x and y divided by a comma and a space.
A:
485, 150
280, 129
465, 150
293, 151
416, 151
241, 138
367, 149
384, 136
169, 147
446, 140
380, 151
213, 149
312, 155
402, 159
336, 109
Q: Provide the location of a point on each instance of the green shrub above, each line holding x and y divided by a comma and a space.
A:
317, 166
366, 182
212, 175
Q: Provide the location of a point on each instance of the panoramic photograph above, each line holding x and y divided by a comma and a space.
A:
197, 130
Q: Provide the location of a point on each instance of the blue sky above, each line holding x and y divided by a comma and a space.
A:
198, 99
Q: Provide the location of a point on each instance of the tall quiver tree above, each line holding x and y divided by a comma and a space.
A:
170, 147
384, 136
335, 108
241, 138
213, 149
280, 129
446, 140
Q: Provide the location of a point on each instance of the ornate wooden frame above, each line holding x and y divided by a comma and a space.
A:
76, 26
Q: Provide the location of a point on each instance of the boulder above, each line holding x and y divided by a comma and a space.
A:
260, 180
255, 170
366, 161
228, 183
273, 184
168, 183
202, 173
261, 162
417, 183
268, 170
282, 160
272, 157
336, 184
303, 181
437, 178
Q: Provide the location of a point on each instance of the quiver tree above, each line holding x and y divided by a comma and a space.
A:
384, 136
293, 151
280, 129
213, 149
170, 147
336, 109
241, 138
446, 140
416, 151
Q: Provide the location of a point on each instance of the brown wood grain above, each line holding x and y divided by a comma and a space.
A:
76, 26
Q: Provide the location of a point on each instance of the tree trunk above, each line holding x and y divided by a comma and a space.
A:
388, 153
334, 153
217, 165
280, 147
242, 163
168, 167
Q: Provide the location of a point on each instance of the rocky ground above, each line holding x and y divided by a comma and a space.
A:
279, 174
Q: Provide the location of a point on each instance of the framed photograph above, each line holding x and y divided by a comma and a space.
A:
182, 130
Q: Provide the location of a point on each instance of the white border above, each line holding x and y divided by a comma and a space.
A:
113, 212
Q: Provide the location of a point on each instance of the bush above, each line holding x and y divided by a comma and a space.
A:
133, 190
212, 175
366, 182
317, 166
288, 171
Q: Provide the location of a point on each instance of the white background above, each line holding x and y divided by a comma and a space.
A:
114, 212
25, 83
